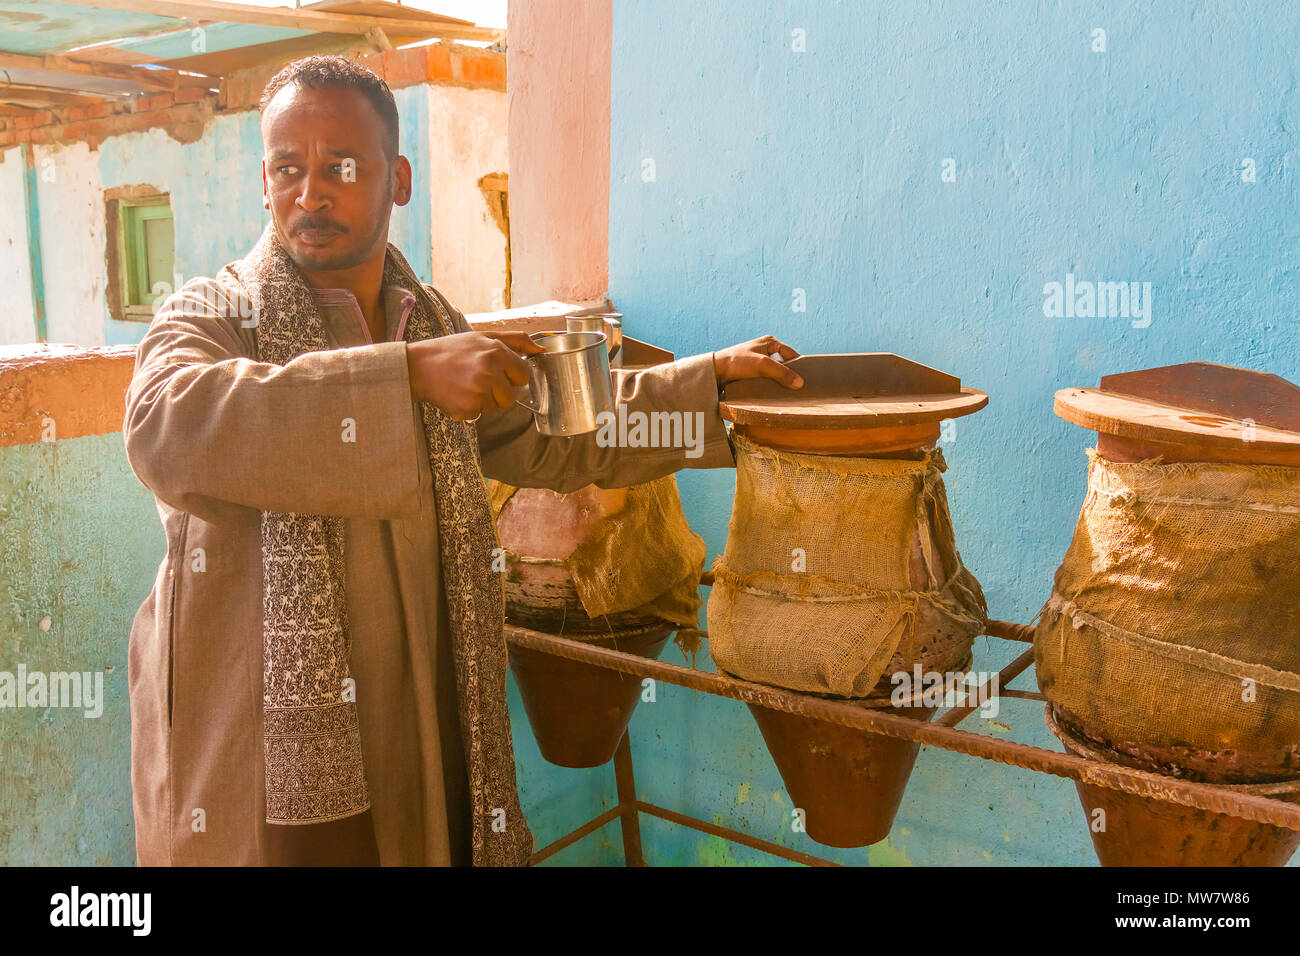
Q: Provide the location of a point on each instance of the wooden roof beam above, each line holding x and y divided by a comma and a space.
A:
379, 40
296, 19
43, 96
167, 80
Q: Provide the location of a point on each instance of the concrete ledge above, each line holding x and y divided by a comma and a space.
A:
50, 392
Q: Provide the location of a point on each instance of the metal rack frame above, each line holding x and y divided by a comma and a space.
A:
942, 732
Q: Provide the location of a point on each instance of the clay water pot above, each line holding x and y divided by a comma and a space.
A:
848, 782
543, 528
1140, 831
579, 712
1193, 412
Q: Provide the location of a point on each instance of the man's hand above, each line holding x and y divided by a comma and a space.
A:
761, 358
469, 373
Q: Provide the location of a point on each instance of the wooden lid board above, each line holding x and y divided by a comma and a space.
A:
851, 391
1197, 411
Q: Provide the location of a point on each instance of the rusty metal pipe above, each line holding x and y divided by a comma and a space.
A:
1198, 795
735, 836
1005, 676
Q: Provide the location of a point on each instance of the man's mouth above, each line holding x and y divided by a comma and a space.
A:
317, 235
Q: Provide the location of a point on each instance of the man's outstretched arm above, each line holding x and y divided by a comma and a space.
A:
207, 428
515, 452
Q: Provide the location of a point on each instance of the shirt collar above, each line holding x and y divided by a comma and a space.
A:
398, 303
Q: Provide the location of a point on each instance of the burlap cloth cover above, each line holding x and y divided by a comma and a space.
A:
643, 559
1178, 597
839, 571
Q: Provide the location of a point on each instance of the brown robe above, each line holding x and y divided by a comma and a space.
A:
218, 438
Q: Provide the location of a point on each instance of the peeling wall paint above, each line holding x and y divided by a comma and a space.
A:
17, 324
215, 188
467, 140
409, 226
71, 201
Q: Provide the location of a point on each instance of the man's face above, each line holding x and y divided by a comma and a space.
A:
326, 179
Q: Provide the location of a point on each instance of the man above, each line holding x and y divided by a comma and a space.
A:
319, 673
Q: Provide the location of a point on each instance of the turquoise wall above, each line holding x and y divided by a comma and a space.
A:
410, 228
79, 552
216, 192
823, 170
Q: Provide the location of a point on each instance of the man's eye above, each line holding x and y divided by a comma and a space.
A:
287, 170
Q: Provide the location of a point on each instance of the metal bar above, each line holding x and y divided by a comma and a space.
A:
1010, 632
571, 838
1004, 676
734, 836
1022, 694
630, 822
1200, 796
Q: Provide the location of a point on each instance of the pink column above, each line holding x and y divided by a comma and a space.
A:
558, 64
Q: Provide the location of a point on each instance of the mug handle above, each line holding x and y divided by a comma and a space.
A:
539, 409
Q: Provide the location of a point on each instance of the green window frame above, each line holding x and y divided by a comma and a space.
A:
147, 246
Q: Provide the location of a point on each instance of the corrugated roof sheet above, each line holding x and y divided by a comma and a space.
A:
38, 27
98, 45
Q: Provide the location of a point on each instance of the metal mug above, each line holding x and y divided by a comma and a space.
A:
569, 384
599, 320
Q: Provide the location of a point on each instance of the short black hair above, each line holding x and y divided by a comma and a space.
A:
338, 72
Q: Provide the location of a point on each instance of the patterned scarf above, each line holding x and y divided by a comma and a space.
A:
311, 737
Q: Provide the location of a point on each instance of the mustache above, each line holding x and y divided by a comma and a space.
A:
317, 222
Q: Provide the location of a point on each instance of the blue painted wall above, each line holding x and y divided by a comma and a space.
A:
822, 170
410, 228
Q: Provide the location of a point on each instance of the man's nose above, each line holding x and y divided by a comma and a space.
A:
314, 194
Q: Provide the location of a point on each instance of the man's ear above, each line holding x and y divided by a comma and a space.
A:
266, 193
402, 173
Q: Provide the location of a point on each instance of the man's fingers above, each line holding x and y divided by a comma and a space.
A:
516, 369
784, 350
769, 367
501, 397
517, 374
517, 342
